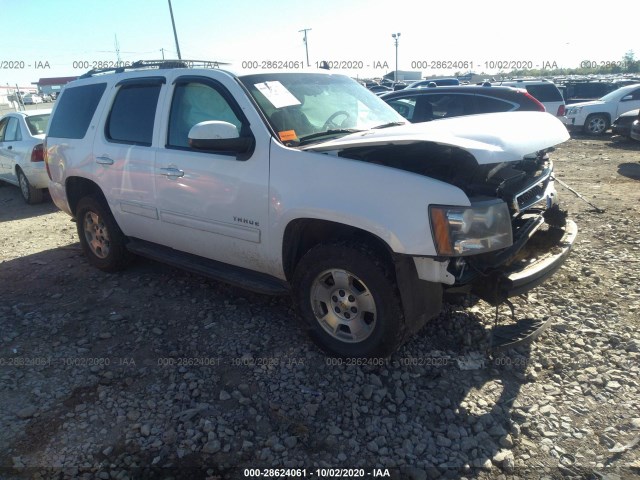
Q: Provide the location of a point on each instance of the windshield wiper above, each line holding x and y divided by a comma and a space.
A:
337, 131
390, 124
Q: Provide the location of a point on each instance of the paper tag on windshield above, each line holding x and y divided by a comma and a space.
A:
277, 94
287, 135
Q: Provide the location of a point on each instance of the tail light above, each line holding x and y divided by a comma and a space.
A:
561, 111
537, 103
37, 154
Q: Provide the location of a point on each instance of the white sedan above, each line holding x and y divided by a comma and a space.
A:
31, 99
22, 152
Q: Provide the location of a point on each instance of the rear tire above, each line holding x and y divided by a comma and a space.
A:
102, 241
30, 194
596, 124
348, 300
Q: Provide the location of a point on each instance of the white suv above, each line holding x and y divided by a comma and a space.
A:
544, 91
595, 117
310, 184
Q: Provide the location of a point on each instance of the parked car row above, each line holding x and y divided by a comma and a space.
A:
426, 104
35, 98
595, 117
426, 100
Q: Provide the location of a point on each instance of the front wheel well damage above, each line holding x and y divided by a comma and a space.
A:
420, 299
301, 235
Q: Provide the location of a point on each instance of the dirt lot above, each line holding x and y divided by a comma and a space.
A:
158, 373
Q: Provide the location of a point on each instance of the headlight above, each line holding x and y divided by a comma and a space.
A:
482, 227
573, 110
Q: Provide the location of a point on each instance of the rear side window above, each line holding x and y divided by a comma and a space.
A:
132, 114
545, 93
404, 106
75, 110
446, 105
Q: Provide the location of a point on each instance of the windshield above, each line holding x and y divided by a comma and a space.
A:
313, 106
614, 95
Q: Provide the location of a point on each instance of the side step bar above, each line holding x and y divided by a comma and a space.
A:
236, 276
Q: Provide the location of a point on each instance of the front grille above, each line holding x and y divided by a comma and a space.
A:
534, 193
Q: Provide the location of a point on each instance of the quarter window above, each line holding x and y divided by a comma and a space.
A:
491, 105
74, 111
133, 113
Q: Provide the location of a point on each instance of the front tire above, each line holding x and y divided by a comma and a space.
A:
30, 194
348, 300
102, 240
596, 124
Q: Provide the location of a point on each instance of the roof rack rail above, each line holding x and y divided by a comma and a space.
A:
154, 65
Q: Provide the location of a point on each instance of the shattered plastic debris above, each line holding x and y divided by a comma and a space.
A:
471, 361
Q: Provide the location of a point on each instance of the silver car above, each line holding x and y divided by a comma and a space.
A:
22, 152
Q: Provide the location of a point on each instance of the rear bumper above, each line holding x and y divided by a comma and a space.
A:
541, 257
59, 196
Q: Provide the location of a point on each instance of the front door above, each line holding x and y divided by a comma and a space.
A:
212, 204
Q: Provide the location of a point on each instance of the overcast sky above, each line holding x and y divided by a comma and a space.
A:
48, 39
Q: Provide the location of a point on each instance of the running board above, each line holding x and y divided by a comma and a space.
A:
236, 276
504, 337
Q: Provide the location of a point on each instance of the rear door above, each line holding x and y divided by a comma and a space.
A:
3, 128
11, 148
125, 154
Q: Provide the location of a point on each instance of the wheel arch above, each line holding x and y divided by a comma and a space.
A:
79, 187
302, 234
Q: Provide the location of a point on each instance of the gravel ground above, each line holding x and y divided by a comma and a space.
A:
158, 373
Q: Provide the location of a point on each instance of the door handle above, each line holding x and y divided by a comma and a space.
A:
104, 160
172, 172
10, 147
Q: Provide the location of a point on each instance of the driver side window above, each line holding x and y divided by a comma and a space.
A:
194, 103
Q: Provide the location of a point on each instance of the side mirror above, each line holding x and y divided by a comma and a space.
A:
218, 136
626, 98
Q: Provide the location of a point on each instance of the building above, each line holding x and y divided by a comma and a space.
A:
53, 84
404, 76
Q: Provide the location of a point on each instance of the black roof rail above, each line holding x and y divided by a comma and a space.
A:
153, 65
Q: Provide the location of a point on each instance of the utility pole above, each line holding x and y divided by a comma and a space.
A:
175, 35
396, 36
117, 46
306, 43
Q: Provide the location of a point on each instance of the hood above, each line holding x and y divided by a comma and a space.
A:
631, 113
590, 103
490, 138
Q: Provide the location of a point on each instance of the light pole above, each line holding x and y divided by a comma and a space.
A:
306, 43
175, 35
396, 36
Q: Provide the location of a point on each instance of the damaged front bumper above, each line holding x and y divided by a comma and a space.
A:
536, 255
